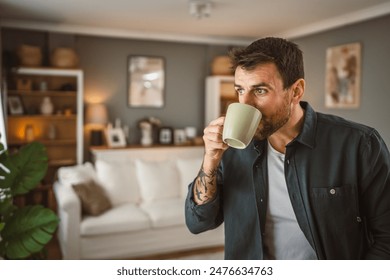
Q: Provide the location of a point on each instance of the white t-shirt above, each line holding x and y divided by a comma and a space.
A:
283, 240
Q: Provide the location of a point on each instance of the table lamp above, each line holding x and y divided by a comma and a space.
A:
96, 118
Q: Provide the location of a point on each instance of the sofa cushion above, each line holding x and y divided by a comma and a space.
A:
93, 199
188, 169
165, 213
119, 179
158, 180
70, 175
123, 218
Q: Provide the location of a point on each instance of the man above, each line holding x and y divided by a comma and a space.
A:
309, 186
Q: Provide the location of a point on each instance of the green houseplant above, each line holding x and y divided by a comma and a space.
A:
23, 231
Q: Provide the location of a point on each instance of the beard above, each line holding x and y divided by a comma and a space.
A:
270, 124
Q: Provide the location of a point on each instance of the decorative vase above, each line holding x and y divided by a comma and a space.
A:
47, 107
147, 137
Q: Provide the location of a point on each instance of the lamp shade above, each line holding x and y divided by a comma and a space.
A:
96, 114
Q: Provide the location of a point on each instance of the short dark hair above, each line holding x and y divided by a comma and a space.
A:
284, 54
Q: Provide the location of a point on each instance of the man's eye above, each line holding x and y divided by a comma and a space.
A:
260, 91
240, 91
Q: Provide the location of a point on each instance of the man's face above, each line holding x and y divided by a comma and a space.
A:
262, 88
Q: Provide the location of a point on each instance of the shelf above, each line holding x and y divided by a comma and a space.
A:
58, 142
48, 71
45, 117
46, 142
40, 94
62, 162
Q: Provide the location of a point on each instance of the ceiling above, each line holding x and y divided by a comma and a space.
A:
231, 21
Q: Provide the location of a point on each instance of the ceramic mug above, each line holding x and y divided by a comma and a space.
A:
240, 125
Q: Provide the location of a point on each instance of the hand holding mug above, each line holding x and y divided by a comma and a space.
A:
212, 137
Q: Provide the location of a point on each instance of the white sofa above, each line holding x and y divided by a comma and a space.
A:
147, 189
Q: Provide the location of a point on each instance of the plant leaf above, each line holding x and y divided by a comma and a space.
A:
7, 165
31, 162
28, 231
6, 208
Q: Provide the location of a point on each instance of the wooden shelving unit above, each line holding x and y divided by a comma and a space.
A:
219, 94
62, 131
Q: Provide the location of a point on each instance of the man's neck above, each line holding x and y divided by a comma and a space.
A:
289, 131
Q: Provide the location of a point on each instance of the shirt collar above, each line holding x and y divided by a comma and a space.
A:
308, 132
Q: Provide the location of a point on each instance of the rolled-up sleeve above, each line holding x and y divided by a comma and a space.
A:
200, 218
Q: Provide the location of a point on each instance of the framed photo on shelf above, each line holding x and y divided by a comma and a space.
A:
180, 137
165, 135
15, 105
115, 137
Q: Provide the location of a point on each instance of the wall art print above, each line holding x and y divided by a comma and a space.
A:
343, 75
146, 81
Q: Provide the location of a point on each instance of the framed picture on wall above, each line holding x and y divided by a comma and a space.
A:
343, 71
146, 81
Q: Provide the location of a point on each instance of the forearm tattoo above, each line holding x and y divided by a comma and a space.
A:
205, 189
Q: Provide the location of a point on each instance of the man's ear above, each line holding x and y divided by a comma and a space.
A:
298, 90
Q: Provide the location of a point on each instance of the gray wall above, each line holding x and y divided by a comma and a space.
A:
375, 79
104, 61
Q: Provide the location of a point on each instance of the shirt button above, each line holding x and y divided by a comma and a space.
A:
359, 220
288, 162
332, 191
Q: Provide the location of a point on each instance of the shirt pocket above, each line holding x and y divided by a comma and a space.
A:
339, 225
336, 204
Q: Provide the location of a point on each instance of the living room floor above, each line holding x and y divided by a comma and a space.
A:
54, 253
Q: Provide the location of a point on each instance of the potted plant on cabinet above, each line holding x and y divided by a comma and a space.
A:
23, 231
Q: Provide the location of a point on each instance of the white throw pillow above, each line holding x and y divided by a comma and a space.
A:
70, 175
188, 169
158, 180
119, 180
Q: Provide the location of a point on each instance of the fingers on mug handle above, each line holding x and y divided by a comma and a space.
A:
220, 121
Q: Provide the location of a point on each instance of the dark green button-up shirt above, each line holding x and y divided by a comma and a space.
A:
337, 175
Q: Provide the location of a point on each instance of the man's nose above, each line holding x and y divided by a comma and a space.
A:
247, 98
